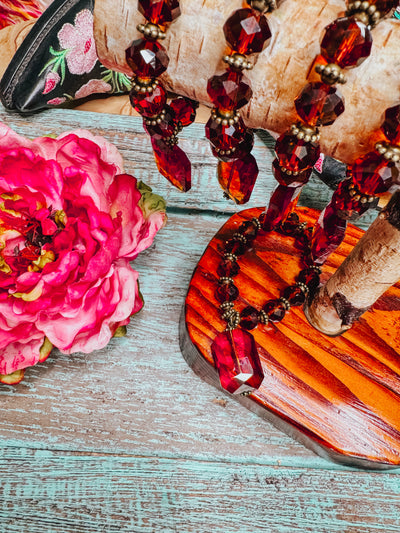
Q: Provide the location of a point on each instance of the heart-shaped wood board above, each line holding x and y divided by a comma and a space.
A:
339, 396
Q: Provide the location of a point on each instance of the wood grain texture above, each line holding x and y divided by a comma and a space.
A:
65, 429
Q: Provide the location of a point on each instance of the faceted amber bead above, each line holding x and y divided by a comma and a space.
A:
249, 230
294, 295
295, 154
235, 247
173, 164
346, 206
391, 124
164, 129
228, 269
227, 292
283, 200
225, 137
159, 11
309, 277
149, 104
229, 90
319, 104
147, 59
185, 110
237, 178
275, 310
237, 361
346, 42
247, 31
374, 174
249, 318
290, 180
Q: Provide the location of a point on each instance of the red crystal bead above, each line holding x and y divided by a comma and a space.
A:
173, 164
294, 295
226, 292
309, 277
185, 110
290, 180
328, 234
165, 128
246, 31
228, 269
149, 104
237, 361
229, 90
235, 247
249, 230
237, 178
283, 200
249, 318
346, 42
241, 151
319, 104
295, 154
159, 11
147, 59
391, 124
275, 310
346, 206
225, 137
374, 174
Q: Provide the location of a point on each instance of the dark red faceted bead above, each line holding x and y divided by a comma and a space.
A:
309, 277
275, 310
235, 247
282, 202
249, 318
346, 206
185, 110
228, 269
229, 90
159, 11
248, 229
374, 174
237, 178
294, 295
225, 137
149, 104
147, 59
247, 31
319, 104
328, 234
347, 42
227, 292
391, 124
237, 361
173, 164
241, 151
290, 180
164, 129
295, 154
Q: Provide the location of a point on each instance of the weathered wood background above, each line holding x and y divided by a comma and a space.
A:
129, 438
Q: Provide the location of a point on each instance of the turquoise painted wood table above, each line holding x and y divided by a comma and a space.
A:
129, 438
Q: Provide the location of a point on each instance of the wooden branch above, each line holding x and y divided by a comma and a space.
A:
372, 267
195, 44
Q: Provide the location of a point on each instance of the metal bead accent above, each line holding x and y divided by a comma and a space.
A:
230, 257
256, 223
389, 151
238, 61
306, 133
263, 317
364, 12
330, 73
239, 237
224, 280
303, 287
151, 31
263, 5
246, 393
285, 303
225, 118
155, 120
227, 305
233, 320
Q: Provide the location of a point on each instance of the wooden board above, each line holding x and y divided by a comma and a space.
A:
341, 396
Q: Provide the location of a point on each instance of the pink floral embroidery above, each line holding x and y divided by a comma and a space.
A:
51, 81
78, 40
91, 87
319, 164
57, 101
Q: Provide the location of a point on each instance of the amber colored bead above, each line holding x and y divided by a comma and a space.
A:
247, 31
229, 90
227, 292
249, 318
294, 295
185, 110
237, 178
147, 59
296, 154
391, 124
374, 174
319, 104
228, 269
225, 137
249, 230
309, 277
149, 104
275, 310
159, 11
347, 42
235, 247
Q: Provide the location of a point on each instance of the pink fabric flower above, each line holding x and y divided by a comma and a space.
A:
51, 81
57, 101
79, 42
91, 87
71, 221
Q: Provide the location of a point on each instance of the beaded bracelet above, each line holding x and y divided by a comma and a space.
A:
234, 350
346, 43
246, 32
148, 59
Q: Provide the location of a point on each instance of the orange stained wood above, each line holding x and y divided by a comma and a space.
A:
343, 392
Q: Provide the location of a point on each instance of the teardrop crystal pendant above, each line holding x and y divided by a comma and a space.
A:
237, 178
237, 361
173, 164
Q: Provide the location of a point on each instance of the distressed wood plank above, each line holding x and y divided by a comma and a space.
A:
60, 493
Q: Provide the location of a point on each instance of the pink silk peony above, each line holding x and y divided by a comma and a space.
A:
71, 221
